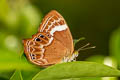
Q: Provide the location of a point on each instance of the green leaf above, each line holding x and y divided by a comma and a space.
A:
5, 75
75, 41
17, 75
115, 45
29, 74
10, 61
77, 69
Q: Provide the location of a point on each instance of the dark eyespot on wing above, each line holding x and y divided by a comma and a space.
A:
48, 35
32, 56
42, 36
38, 39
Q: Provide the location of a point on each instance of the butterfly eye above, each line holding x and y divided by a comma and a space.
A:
42, 36
37, 39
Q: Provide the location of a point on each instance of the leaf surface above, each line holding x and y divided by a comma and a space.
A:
77, 69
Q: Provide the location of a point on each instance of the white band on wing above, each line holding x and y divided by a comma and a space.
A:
58, 28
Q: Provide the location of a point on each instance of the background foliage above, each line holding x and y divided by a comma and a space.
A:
96, 20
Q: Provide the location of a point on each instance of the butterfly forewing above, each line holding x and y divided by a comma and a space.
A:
55, 23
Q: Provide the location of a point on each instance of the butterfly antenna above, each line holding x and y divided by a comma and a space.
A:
83, 48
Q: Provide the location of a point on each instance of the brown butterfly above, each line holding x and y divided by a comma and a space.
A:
52, 44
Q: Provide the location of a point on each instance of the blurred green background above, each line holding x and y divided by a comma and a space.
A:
96, 20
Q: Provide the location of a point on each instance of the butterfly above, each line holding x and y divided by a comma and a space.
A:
52, 44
